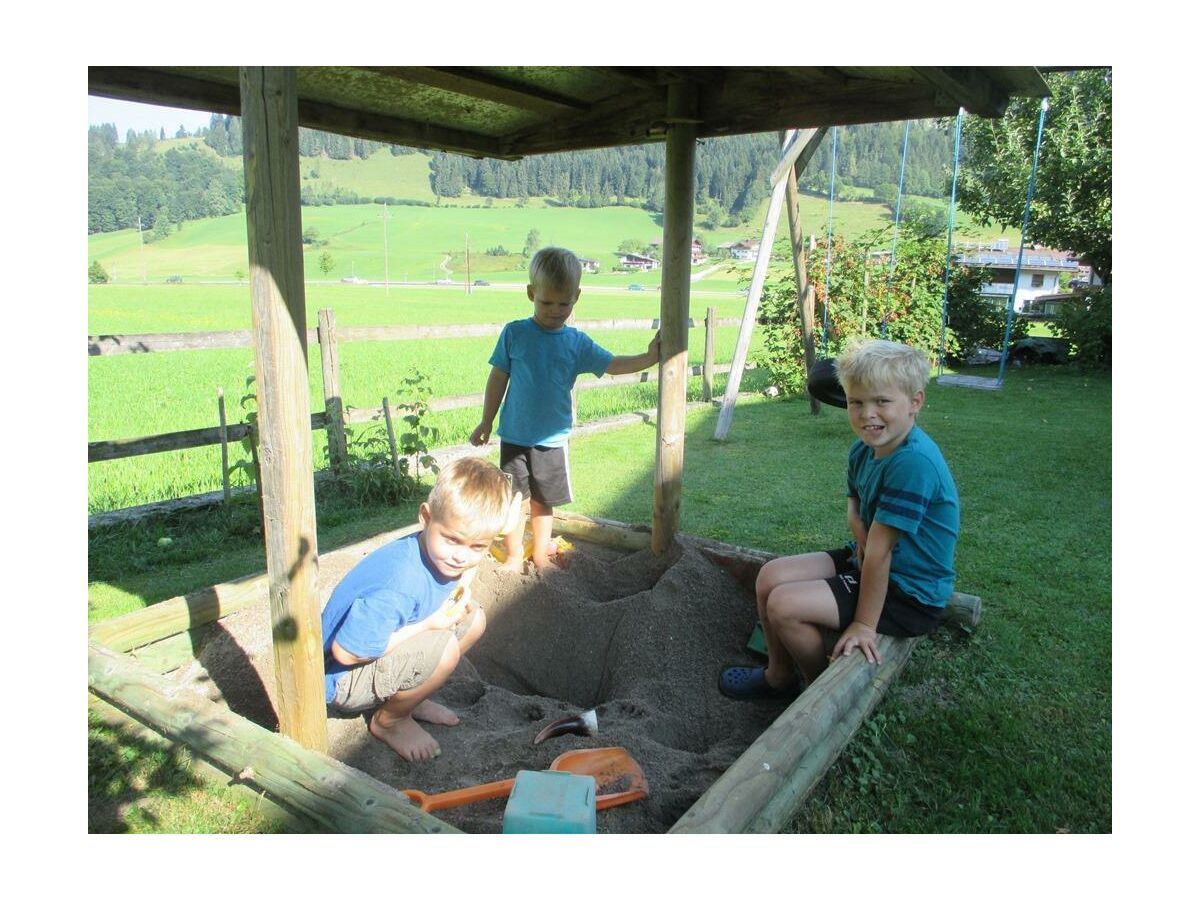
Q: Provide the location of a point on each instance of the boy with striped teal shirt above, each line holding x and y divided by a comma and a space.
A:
896, 575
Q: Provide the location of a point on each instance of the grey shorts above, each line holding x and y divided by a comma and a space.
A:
408, 666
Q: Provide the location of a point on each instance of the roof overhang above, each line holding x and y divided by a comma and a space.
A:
508, 112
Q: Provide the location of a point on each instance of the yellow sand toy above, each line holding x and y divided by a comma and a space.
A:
498, 553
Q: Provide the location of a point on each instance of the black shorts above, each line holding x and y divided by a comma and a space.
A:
902, 616
540, 473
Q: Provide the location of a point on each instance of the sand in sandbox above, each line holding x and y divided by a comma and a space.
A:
640, 638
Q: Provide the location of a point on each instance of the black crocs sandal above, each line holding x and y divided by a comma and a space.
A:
750, 683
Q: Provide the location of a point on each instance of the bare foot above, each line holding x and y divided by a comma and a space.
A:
435, 713
406, 737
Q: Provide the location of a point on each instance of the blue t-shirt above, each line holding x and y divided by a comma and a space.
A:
389, 588
911, 490
542, 367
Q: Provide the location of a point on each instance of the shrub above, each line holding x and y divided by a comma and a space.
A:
1086, 321
96, 273
978, 321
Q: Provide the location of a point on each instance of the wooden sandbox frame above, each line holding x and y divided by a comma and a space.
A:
760, 792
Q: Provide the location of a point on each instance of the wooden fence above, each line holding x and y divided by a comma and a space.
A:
335, 417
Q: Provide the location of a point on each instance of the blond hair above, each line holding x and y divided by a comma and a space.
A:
475, 494
878, 363
556, 268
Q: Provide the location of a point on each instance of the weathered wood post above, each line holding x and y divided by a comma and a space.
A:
391, 433
800, 145
331, 379
679, 200
270, 133
710, 339
805, 303
224, 432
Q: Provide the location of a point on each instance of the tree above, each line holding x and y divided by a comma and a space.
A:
533, 240
1072, 206
96, 273
326, 262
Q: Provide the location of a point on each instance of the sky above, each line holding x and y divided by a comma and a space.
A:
141, 116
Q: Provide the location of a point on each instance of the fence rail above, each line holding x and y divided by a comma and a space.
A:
118, 344
108, 345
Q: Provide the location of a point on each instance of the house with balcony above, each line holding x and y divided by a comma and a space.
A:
589, 265
698, 254
633, 261
742, 249
1039, 276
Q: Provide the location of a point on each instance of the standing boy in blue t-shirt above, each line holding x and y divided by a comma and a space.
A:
896, 575
534, 367
398, 622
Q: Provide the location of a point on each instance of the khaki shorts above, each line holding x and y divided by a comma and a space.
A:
408, 666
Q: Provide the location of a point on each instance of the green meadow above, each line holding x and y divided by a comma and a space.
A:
207, 264
136, 395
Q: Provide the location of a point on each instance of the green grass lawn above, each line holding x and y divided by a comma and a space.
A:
1007, 728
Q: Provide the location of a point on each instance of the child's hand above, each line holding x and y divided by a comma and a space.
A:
857, 635
481, 434
453, 611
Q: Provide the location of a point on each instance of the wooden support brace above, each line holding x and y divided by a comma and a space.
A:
328, 792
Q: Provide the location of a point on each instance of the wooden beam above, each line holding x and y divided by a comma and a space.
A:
804, 291
323, 789
635, 76
331, 381
750, 312
968, 87
143, 85
270, 140
146, 85
764, 788
797, 154
485, 86
128, 727
680, 191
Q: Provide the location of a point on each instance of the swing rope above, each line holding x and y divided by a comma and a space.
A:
829, 245
1012, 299
950, 240
895, 231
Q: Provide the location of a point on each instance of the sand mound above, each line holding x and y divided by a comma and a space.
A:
639, 638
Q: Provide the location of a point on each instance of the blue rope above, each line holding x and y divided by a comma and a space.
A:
896, 229
1012, 299
950, 241
829, 244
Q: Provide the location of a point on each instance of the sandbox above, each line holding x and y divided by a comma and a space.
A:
638, 637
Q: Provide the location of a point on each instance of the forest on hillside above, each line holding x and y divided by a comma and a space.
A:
130, 183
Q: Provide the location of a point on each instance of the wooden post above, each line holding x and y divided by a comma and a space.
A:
679, 200
725, 419
325, 790
804, 291
391, 433
710, 329
224, 443
331, 378
270, 136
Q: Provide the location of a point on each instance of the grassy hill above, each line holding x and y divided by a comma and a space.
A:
428, 243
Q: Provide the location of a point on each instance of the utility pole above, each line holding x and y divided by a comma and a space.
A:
142, 248
387, 284
467, 237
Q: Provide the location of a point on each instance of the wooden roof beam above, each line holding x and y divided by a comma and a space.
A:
169, 89
969, 88
165, 88
481, 86
637, 76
